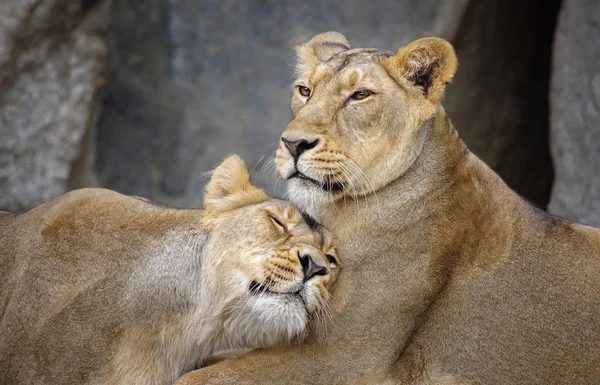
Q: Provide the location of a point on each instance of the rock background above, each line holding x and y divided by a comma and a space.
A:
498, 100
52, 65
190, 81
575, 117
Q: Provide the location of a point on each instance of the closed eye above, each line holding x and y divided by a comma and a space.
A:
278, 223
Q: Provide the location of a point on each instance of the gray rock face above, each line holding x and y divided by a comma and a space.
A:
52, 63
193, 81
575, 113
498, 100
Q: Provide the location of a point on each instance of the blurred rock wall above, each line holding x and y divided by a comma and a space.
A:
53, 56
575, 113
192, 81
498, 99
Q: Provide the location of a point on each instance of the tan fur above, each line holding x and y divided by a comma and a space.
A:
449, 276
319, 49
100, 288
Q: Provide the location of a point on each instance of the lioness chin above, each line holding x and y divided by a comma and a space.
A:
449, 276
101, 288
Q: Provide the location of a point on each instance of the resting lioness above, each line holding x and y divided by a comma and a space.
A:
449, 276
101, 288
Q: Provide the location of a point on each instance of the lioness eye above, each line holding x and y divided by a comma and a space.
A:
278, 223
304, 91
361, 94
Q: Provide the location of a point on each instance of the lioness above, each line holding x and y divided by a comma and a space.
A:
450, 277
101, 288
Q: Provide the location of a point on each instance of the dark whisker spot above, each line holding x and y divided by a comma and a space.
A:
257, 288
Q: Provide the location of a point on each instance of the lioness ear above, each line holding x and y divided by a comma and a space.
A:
319, 49
428, 63
230, 187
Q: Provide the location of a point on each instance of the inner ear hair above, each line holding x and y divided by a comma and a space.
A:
420, 70
428, 63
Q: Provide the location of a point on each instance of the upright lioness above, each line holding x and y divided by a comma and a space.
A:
100, 288
450, 277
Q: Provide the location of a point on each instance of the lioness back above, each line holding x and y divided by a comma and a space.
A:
65, 269
97, 287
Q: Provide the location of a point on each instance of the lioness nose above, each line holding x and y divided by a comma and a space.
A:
310, 267
297, 147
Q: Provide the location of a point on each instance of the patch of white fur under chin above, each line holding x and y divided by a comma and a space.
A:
309, 199
267, 320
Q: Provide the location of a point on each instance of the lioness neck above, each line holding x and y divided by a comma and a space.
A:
168, 319
445, 178
418, 226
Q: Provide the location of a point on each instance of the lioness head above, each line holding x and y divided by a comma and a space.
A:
270, 265
358, 115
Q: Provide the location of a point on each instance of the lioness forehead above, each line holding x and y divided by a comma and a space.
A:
357, 56
354, 57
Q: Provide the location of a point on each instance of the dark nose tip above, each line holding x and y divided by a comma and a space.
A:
297, 147
310, 267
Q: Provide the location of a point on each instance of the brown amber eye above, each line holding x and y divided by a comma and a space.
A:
361, 94
304, 91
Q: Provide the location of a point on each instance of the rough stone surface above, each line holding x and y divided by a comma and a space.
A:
575, 113
52, 61
193, 81
498, 100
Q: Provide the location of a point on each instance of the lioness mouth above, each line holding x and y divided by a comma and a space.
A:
257, 288
325, 185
